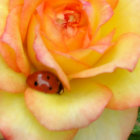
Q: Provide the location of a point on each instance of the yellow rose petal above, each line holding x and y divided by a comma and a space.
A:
125, 87
112, 125
72, 109
10, 80
126, 18
124, 54
11, 36
17, 123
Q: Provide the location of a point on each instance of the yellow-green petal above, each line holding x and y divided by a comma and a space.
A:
17, 123
126, 18
10, 80
125, 54
112, 125
72, 109
125, 87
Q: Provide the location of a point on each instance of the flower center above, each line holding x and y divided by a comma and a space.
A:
68, 18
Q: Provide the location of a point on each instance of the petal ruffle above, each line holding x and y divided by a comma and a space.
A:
72, 109
102, 45
124, 54
112, 125
82, 59
99, 13
12, 37
27, 10
126, 18
69, 63
9, 56
45, 58
40, 55
17, 123
125, 87
10, 80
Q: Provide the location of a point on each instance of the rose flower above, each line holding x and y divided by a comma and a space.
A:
91, 46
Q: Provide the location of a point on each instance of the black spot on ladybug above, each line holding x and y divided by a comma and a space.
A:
50, 88
36, 83
48, 77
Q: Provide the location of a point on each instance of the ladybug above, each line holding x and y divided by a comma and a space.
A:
45, 81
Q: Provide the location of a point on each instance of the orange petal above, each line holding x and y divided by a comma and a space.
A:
112, 125
72, 37
77, 60
124, 54
28, 9
82, 59
45, 58
10, 80
17, 123
52, 36
113, 3
11, 36
15, 3
59, 2
69, 63
86, 56
91, 55
78, 40
125, 88
72, 109
103, 44
9, 56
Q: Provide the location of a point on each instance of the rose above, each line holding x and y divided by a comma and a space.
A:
73, 39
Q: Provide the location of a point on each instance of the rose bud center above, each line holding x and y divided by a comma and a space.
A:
70, 19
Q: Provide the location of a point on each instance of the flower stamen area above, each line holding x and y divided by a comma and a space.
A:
69, 19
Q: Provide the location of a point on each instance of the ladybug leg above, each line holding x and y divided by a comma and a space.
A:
60, 89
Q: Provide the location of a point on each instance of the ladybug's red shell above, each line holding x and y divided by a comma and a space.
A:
44, 81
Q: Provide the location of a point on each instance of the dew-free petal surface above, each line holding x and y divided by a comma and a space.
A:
9, 56
28, 9
87, 56
124, 54
12, 37
69, 63
126, 18
17, 123
45, 58
112, 125
40, 55
72, 109
113, 3
3, 14
10, 80
99, 13
125, 88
